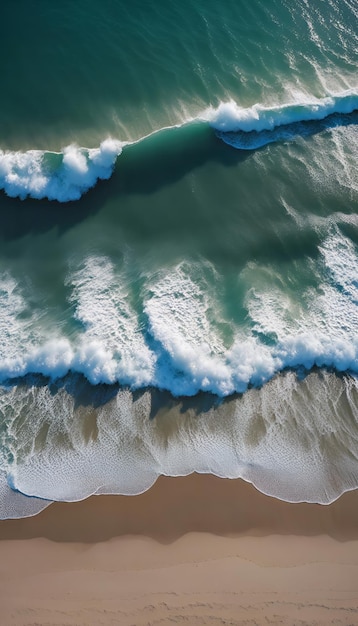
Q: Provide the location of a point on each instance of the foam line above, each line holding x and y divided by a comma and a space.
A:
287, 445
65, 176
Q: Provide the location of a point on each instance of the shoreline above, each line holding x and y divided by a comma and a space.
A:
175, 506
195, 549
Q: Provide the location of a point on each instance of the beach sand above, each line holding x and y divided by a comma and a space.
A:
192, 550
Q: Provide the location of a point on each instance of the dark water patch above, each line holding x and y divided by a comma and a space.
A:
143, 168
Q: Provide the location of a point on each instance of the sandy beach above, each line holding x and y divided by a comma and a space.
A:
192, 550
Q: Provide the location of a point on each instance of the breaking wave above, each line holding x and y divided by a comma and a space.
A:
65, 176
256, 126
62, 176
177, 337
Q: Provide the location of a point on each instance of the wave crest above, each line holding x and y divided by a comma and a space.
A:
230, 117
63, 176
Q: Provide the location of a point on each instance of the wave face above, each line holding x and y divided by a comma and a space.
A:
180, 293
66, 176
229, 117
257, 126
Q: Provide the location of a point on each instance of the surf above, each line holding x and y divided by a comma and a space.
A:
67, 175
80, 441
177, 336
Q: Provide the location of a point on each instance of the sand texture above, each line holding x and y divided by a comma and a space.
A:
194, 550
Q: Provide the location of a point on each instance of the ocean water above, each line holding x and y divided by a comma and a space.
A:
179, 247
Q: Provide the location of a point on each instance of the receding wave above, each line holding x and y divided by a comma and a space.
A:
293, 439
65, 176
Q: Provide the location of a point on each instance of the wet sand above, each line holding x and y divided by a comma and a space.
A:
195, 550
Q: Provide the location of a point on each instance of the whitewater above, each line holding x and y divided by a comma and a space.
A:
65, 176
180, 344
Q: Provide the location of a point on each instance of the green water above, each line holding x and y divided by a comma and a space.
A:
78, 71
184, 263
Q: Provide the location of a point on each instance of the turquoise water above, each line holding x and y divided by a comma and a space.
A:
179, 218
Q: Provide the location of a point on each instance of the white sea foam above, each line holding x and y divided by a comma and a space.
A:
12, 305
78, 456
67, 175
112, 347
62, 176
190, 350
230, 117
278, 438
341, 259
178, 344
318, 327
25, 344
